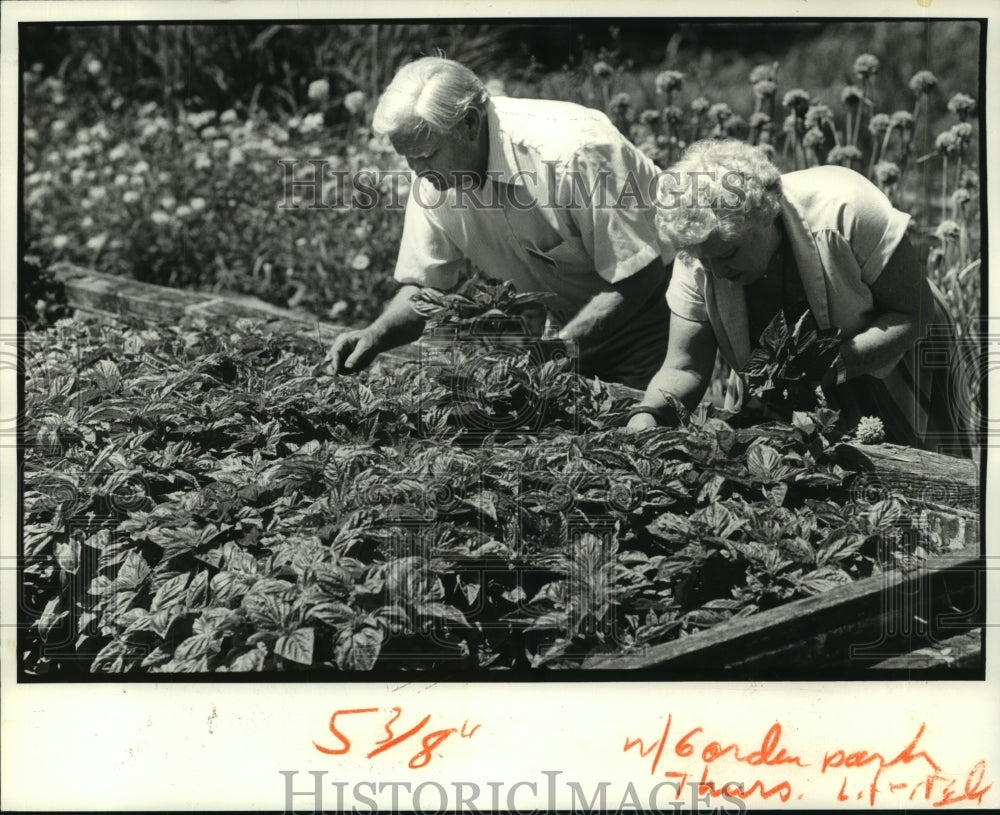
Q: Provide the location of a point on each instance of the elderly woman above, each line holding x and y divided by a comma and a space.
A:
751, 241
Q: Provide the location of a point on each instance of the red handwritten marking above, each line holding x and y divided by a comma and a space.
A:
471, 733
343, 739
936, 788
429, 742
391, 741
658, 744
782, 789
768, 755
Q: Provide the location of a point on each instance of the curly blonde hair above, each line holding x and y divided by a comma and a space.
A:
719, 186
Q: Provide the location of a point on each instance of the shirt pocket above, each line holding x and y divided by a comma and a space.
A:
569, 257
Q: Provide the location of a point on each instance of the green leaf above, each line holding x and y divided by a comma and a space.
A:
199, 645
170, 593
358, 650
297, 646
333, 614
764, 464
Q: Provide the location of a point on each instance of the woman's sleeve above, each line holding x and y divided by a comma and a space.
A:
871, 225
685, 294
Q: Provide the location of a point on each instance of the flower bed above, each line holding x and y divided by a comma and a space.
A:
204, 498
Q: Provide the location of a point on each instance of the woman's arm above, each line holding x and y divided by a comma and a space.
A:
904, 308
686, 371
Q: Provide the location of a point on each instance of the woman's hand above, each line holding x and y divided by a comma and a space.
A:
640, 421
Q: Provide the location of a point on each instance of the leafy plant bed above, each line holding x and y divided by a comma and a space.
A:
204, 498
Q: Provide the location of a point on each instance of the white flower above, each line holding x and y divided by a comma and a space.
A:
202, 161
94, 67
199, 120
210, 132
97, 242
159, 217
300, 242
197, 204
294, 123
130, 196
163, 177
53, 157
236, 157
361, 262
76, 176
118, 152
31, 134
220, 144
168, 202
313, 121
183, 211
140, 167
86, 222
58, 126
228, 116
100, 131
319, 90
83, 136
354, 101
148, 109
121, 180
59, 241
97, 193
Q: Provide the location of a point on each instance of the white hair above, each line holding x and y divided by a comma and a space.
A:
430, 96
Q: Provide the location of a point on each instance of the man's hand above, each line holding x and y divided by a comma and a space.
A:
353, 351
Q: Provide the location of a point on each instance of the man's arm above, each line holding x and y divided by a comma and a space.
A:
397, 325
610, 310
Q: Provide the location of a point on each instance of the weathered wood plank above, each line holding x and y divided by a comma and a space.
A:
832, 627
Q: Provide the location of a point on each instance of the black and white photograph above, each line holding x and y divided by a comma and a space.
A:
469, 350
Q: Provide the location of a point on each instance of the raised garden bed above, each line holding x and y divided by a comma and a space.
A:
201, 497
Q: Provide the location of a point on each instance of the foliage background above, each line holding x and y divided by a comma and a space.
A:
151, 150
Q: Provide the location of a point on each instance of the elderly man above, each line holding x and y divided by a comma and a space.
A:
548, 195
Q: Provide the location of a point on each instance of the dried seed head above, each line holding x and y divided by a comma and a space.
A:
759, 120
879, 123
814, 137
764, 73
797, 101
668, 81
923, 82
902, 119
946, 143
818, 115
947, 231
963, 132
700, 105
865, 66
649, 116
843, 154
962, 105
602, 70
720, 111
851, 96
886, 173
870, 430
764, 89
